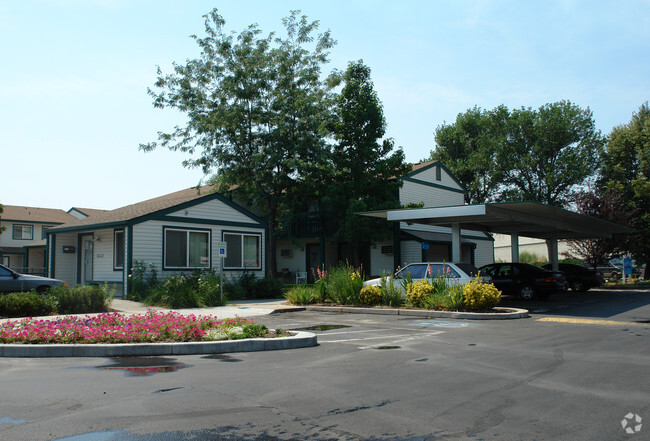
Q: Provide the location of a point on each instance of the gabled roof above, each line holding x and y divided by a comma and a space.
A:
162, 204
34, 215
88, 211
421, 166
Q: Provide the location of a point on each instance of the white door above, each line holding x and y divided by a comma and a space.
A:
87, 260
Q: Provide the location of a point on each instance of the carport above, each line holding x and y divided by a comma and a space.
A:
528, 219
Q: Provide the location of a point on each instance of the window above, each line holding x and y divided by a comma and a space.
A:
23, 232
244, 251
186, 248
44, 231
438, 173
118, 249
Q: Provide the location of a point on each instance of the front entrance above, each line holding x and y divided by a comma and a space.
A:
86, 259
313, 260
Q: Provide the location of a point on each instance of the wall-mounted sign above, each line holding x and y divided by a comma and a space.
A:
222, 249
68, 250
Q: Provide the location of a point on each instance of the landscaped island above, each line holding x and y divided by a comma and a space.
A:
151, 327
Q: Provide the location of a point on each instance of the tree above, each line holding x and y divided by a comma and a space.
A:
626, 168
365, 164
1, 227
549, 154
543, 155
255, 108
469, 148
608, 205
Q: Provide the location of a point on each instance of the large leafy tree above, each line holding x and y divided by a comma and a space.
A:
365, 164
549, 154
469, 148
626, 169
255, 108
544, 155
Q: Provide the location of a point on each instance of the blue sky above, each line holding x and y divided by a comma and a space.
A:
74, 107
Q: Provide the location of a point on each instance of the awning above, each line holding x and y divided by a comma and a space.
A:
529, 219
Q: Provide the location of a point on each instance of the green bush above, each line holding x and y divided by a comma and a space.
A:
82, 299
451, 299
344, 285
142, 278
302, 295
479, 296
26, 304
370, 295
248, 286
390, 294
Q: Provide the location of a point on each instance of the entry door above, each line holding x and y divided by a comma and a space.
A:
87, 260
313, 260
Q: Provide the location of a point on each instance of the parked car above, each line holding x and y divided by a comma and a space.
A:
525, 280
609, 272
455, 273
578, 277
11, 281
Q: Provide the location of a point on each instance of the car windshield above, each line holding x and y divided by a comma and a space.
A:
421, 271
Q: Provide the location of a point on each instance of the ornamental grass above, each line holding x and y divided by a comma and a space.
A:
151, 327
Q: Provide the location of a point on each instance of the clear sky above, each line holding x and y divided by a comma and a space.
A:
74, 76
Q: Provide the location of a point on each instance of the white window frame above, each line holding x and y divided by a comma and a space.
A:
187, 266
22, 233
241, 242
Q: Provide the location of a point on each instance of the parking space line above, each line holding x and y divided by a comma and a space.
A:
381, 337
589, 321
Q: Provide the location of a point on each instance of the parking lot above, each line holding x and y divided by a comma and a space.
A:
574, 370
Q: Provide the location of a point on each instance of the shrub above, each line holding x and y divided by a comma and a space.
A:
26, 304
479, 296
370, 295
451, 299
142, 278
390, 294
302, 295
419, 292
344, 284
248, 286
82, 299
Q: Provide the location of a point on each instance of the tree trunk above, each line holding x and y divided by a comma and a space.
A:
272, 265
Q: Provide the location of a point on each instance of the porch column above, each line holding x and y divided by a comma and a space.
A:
455, 243
514, 246
551, 245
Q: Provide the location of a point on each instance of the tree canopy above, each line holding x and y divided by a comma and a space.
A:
264, 118
543, 155
626, 169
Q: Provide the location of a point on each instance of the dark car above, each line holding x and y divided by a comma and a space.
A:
525, 280
11, 281
578, 277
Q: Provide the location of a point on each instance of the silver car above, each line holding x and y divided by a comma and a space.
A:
454, 273
11, 281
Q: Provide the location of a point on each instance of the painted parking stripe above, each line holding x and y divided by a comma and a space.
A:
444, 324
379, 337
589, 321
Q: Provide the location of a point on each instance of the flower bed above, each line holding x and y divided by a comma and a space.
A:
151, 327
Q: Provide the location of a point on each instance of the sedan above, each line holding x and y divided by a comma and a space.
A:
525, 280
454, 273
579, 278
11, 281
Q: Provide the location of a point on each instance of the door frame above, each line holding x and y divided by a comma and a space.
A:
81, 266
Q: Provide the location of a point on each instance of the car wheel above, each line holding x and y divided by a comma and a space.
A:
527, 292
577, 286
42, 289
614, 276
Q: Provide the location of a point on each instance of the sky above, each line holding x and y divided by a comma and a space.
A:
74, 75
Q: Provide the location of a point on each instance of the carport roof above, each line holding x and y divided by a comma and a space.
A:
529, 219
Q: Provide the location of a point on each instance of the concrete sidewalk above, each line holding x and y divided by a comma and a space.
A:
238, 308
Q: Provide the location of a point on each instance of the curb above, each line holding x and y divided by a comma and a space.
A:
515, 314
300, 340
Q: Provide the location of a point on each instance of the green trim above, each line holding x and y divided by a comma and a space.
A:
115, 231
89, 228
208, 222
431, 184
163, 255
129, 260
434, 164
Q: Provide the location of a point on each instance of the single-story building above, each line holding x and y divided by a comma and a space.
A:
175, 233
